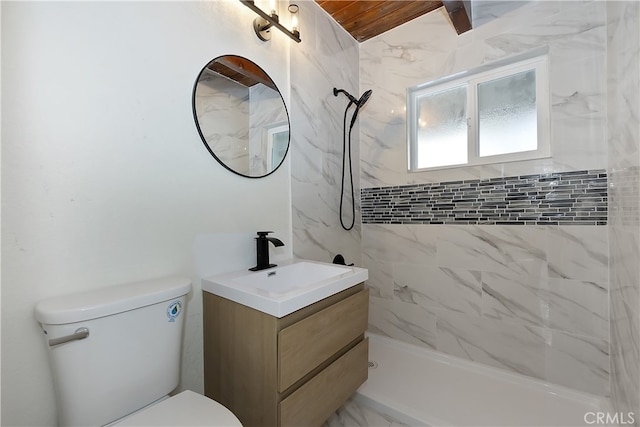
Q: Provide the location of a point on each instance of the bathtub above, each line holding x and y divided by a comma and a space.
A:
420, 387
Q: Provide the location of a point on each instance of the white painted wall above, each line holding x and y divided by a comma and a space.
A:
104, 177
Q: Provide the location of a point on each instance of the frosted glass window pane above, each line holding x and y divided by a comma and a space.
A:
507, 114
280, 145
442, 128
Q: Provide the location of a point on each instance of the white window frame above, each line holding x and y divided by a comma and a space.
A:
271, 133
471, 79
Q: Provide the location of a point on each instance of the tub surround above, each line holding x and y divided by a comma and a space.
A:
478, 283
474, 290
524, 293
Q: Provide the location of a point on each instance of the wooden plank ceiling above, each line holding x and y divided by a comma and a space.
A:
240, 70
364, 19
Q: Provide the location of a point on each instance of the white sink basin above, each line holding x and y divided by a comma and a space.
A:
281, 290
289, 278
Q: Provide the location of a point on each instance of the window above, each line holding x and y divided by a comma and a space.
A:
277, 144
496, 113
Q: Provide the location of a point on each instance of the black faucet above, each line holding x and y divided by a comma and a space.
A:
262, 250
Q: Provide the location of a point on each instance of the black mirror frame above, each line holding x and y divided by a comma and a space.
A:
204, 141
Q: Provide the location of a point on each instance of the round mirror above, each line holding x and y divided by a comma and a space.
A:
241, 116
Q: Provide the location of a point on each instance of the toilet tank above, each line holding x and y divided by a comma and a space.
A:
114, 350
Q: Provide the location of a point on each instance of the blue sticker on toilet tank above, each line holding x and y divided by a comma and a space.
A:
174, 310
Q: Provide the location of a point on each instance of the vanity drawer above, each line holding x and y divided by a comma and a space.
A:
322, 395
303, 346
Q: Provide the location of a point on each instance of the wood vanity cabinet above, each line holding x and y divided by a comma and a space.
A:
290, 371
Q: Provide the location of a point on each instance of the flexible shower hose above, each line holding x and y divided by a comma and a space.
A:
344, 153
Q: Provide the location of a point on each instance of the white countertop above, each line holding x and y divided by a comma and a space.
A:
281, 290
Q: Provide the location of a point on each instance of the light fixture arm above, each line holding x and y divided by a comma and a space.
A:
264, 22
262, 28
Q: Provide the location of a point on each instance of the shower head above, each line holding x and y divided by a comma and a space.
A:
359, 102
352, 100
364, 98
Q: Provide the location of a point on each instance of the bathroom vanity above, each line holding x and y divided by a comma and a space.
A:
286, 370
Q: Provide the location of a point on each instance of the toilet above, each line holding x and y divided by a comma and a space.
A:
115, 357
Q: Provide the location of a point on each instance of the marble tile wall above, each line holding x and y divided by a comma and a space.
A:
266, 112
623, 69
427, 48
530, 299
223, 107
326, 58
527, 298
475, 290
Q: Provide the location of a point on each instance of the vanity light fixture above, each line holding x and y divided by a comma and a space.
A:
265, 21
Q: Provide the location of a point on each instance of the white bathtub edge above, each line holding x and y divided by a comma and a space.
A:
416, 416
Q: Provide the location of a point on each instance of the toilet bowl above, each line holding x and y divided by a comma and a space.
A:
115, 356
184, 409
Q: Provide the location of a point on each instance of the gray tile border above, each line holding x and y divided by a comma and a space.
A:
561, 198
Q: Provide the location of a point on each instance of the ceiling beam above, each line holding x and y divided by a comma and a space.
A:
241, 70
460, 14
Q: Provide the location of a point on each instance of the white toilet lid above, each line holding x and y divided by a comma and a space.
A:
184, 409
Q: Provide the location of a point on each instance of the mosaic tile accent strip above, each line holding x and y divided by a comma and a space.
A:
625, 188
562, 198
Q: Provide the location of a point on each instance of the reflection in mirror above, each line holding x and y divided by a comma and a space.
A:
241, 116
